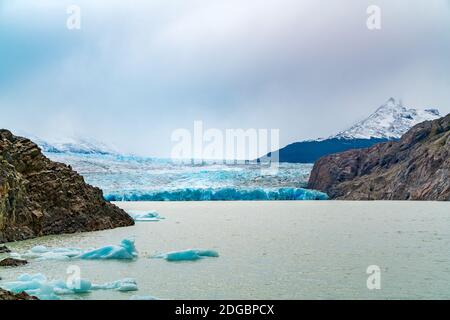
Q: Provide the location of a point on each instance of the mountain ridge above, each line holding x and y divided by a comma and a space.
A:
416, 167
389, 122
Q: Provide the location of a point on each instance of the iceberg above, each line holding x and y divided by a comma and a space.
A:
125, 251
124, 285
44, 253
139, 216
188, 255
136, 297
38, 285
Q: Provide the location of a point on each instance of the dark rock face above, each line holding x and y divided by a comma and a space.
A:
4, 249
6, 295
11, 262
415, 168
41, 197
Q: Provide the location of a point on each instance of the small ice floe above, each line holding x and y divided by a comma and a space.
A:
37, 285
145, 216
44, 253
126, 250
123, 285
136, 297
188, 255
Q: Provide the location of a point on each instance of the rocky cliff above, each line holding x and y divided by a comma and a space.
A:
40, 197
417, 167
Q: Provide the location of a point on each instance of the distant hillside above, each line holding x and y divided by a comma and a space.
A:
310, 151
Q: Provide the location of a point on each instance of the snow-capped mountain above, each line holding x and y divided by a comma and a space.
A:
75, 145
390, 121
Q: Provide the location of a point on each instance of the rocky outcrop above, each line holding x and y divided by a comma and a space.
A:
41, 197
417, 167
12, 262
4, 249
6, 295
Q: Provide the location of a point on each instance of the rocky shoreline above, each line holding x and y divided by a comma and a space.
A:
417, 167
40, 197
6, 295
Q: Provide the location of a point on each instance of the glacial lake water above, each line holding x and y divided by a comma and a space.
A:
270, 250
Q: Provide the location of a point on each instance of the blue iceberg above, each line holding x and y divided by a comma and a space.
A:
144, 216
136, 297
188, 255
125, 251
123, 285
37, 285
44, 253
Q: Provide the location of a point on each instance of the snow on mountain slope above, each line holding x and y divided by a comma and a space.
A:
74, 145
390, 121
78, 145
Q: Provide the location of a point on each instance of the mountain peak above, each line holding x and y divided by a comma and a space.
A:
390, 121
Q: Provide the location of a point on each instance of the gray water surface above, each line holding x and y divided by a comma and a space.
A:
271, 250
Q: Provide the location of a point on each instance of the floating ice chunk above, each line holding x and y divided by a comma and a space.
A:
35, 285
78, 286
126, 251
140, 216
39, 249
123, 285
136, 297
38, 285
44, 253
188, 255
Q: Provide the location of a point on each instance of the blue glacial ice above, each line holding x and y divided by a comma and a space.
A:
130, 178
138, 297
44, 253
123, 285
38, 285
126, 250
145, 216
188, 255
217, 194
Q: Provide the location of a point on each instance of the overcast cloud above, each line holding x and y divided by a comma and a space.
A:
137, 70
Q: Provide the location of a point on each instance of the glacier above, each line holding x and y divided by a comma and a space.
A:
132, 178
219, 194
38, 285
188, 255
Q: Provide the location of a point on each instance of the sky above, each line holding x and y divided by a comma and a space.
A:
137, 71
